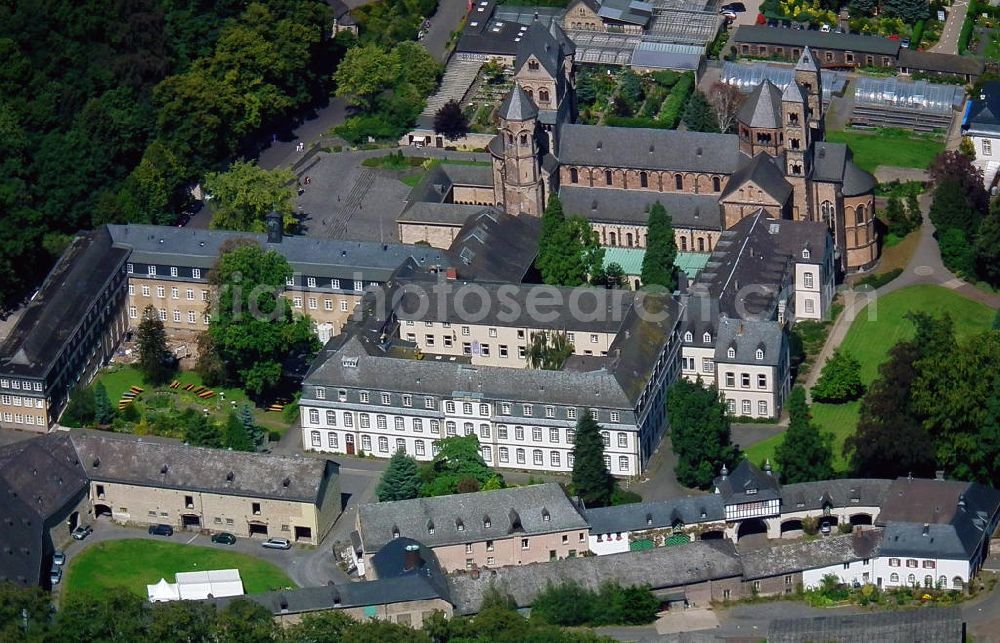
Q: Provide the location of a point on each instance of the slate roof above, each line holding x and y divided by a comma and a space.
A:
912, 59
763, 171
799, 556
518, 106
53, 315
659, 568
858, 43
335, 258
845, 492
629, 11
537, 41
828, 161
762, 107
495, 246
141, 461
391, 560
604, 205
925, 625
655, 515
647, 148
984, 111
807, 62
856, 180
744, 477
462, 518
746, 336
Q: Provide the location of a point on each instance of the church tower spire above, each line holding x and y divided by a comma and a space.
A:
517, 176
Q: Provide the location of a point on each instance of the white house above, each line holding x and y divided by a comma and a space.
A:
982, 126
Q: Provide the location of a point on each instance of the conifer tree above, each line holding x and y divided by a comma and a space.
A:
104, 413
401, 479
658, 267
235, 435
591, 479
699, 116
699, 432
255, 432
151, 340
805, 454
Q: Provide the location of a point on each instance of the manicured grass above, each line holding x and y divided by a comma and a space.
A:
133, 564
869, 340
897, 148
838, 419
117, 379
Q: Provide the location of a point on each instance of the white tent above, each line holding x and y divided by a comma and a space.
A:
162, 591
215, 583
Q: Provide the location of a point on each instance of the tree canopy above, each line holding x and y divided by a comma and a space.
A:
246, 193
805, 454
253, 329
400, 480
658, 267
450, 121
549, 350
458, 467
592, 481
840, 379
699, 115
151, 343
568, 248
699, 432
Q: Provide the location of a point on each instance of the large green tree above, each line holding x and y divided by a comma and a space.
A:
254, 430
592, 481
699, 432
658, 267
235, 435
400, 480
699, 116
986, 249
253, 329
245, 194
364, 73
840, 379
151, 342
549, 350
458, 467
568, 248
104, 413
805, 453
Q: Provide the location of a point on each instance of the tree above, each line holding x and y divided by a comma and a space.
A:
909, 11
592, 481
967, 148
913, 211
699, 427
986, 249
951, 208
840, 380
182, 621
955, 166
805, 454
450, 121
235, 435
898, 220
246, 193
364, 73
614, 276
243, 621
630, 88
401, 479
459, 458
151, 342
80, 410
256, 433
104, 413
208, 365
416, 66
549, 350
119, 615
198, 430
860, 8
956, 253
726, 103
254, 330
568, 249
153, 192
699, 115
658, 267
24, 604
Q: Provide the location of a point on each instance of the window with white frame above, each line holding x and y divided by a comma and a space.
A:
175, 293
518, 432
363, 395
145, 291
435, 427
359, 286
484, 409
407, 400
380, 421
399, 423
449, 407
504, 454
615, 416
311, 302
536, 434
570, 436
311, 282
297, 302
731, 353
746, 406
177, 315
290, 281
335, 284
484, 431
520, 456
467, 408
759, 354
400, 444
987, 147
196, 273
501, 431
163, 314
623, 463
366, 421
132, 312
327, 304
366, 443
331, 418
807, 279
536, 456
343, 306
428, 402
320, 393
505, 408
810, 307
606, 437
554, 458
550, 412
468, 428
331, 440
528, 410
316, 438
607, 462
571, 413
761, 380
151, 271
487, 454
129, 268
386, 399
761, 407
450, 428
348, 419
313, 416
553, 435
418, 447
418, 425
160, 292
383, 444
622, 439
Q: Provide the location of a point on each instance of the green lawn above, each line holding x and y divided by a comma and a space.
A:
133, 564
870, 340
117, 379
894, 147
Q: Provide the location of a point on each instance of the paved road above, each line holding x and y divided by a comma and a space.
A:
924, 267
948, 44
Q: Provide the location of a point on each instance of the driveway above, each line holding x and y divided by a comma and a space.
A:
948, 44
307, 566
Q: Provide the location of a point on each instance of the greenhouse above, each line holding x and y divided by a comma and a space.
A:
746, 77
917, 105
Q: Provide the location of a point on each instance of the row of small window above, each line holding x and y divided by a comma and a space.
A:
451, 428
707, 364
503, 453
745, 380
314, 304
477, 349
192, 316
175, 293
468, 408
20, 418
942, 582
747, 407
334, 283
467, 331
17, 400
17, 385
151, 271
912, 562
574, 177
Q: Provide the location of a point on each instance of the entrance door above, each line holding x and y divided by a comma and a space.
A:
349, 443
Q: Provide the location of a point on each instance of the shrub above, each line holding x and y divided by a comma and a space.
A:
879, 280
570, 604
810, 525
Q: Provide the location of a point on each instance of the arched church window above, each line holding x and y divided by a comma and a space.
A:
607, 177
684, 244
643, 179
716, 184
859, 214
510, 138
524, 138
628, 239
701, 244
613, 239
543, 95
533, 65
679, 181
574, 175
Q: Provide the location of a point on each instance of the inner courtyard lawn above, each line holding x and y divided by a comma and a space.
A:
869, 340
894, 147
135, 563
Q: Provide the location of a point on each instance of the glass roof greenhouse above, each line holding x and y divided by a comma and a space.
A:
747, 76
921, 95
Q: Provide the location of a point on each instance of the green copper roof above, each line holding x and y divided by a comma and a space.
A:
630, 259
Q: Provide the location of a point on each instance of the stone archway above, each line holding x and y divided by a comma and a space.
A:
751, 527
791, 528
714, 534
861, 519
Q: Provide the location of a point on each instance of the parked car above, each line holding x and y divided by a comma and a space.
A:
736, 7
161, 530
905, 43
825, 28
825, 528
277, 543
82, 532
55, 574
58, 558
224, 538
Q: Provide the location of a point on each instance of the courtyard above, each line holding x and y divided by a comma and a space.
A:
895, 147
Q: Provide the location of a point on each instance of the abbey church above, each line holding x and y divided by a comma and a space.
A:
708, 182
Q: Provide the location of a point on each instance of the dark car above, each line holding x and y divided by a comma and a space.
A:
161, 530
82, 532
55, 575
224, 538
735, 7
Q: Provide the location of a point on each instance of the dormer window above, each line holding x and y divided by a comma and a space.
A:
487, 523
545, 515
459, 525
395, 531
430, 527
707, 338
760, 354
688, 337
731, 353
751, 491
649, 519
805, 253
